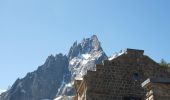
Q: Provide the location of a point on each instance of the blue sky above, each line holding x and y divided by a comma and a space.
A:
30, 30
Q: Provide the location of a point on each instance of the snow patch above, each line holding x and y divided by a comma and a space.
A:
69, 85
86, 56
58, 98
115, 55
64, 98
71, 62
78, 77
1, 91
84, 62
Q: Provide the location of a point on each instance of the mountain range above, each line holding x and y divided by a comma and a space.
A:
55, 78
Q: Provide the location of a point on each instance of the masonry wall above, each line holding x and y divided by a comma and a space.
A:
158, 91
121, 78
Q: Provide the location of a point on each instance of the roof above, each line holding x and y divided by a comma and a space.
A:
156, 80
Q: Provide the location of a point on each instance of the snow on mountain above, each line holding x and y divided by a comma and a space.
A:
58, 98
1, 91
82, 57
80, 65
85, 55
55, 78
115, 55
64, 98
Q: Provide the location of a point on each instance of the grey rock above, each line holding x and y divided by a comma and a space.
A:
87, 45
54, 78
42, 83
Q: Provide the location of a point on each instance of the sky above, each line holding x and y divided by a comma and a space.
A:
31, 30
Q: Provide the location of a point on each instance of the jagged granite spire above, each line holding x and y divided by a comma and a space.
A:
87, 45
84, 55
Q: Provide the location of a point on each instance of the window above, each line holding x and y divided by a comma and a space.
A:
135, 76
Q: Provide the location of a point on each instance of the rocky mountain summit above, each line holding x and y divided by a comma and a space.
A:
54, 79
85, 55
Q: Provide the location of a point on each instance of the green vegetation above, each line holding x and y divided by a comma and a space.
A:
163, 63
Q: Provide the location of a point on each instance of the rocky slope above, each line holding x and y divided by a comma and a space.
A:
42, 83
54, 79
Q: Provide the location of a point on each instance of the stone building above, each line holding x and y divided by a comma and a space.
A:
157, 88
119, 77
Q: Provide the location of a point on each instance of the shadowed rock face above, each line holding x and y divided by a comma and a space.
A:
42, 83
53, 78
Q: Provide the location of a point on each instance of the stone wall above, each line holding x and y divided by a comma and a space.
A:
121, 78
157, 88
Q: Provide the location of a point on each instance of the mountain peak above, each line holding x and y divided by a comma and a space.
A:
94, 37
87, 45
95, 43
84, 55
